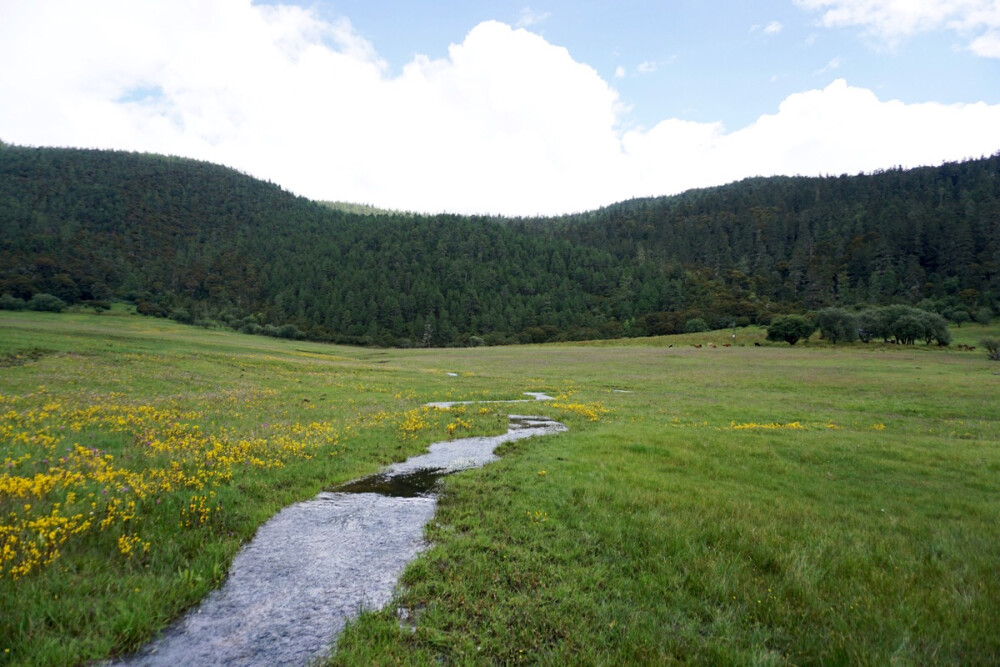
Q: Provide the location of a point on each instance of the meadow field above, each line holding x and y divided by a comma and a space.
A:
753, 504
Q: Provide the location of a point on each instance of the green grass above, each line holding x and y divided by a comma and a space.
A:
743, 504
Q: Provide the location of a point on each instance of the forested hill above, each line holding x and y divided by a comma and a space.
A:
197, 241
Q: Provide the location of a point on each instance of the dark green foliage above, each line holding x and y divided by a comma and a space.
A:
695, 325
837, 325
179, 236
984, 315
904, 325
46, 303
958, 316
936, 329
907, 329
182, 315
790, 328
289, 331
992, 346
9, 302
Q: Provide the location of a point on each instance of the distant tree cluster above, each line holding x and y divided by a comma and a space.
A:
210, 246
904, 325
40, 302
790, 329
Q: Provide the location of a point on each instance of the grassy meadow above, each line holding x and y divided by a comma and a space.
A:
754, 504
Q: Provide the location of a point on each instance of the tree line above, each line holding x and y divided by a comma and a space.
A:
206, 244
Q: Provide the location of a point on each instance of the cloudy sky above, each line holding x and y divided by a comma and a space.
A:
503, 107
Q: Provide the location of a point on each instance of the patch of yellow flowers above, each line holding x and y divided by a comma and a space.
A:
592, 411
53, 489
772, 426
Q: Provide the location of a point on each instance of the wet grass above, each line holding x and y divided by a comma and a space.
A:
739, 504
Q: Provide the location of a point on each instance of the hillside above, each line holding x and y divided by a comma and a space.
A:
197, 241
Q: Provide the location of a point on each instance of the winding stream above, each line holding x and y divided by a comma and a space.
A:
319, 563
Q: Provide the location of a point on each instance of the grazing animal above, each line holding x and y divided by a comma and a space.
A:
711, 345
756, 344
727, 345
698, 345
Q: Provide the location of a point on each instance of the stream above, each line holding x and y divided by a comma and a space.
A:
319, 563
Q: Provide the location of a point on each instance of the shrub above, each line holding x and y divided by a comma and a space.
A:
182, 315
790, 328
46, 303
958, 316
151, 308
837, 325
983, 316
907, 329
992, 346
695, 325
10, 302
905, 325
289, 331
251, 328
936, 329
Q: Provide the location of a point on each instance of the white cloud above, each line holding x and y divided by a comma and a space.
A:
505, 123
772, 28
839, 129
619, 72
891, 20
830, 66
528, 17
646, 67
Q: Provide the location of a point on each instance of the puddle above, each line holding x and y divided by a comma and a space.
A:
317, 564
411, 485
535, 396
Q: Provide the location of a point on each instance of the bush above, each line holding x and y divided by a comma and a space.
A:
983, 316
958, 316
907, 329
46, 303
695, 325
9, 302
182, 315
992, 346
837, 325
905, 325
251, 328
790, 328
289, 331
936, 329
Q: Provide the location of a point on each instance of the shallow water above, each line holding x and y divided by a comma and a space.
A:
319, 563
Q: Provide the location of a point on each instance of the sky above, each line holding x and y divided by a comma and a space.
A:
502, 107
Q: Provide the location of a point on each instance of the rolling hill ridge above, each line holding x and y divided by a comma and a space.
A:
201, 242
